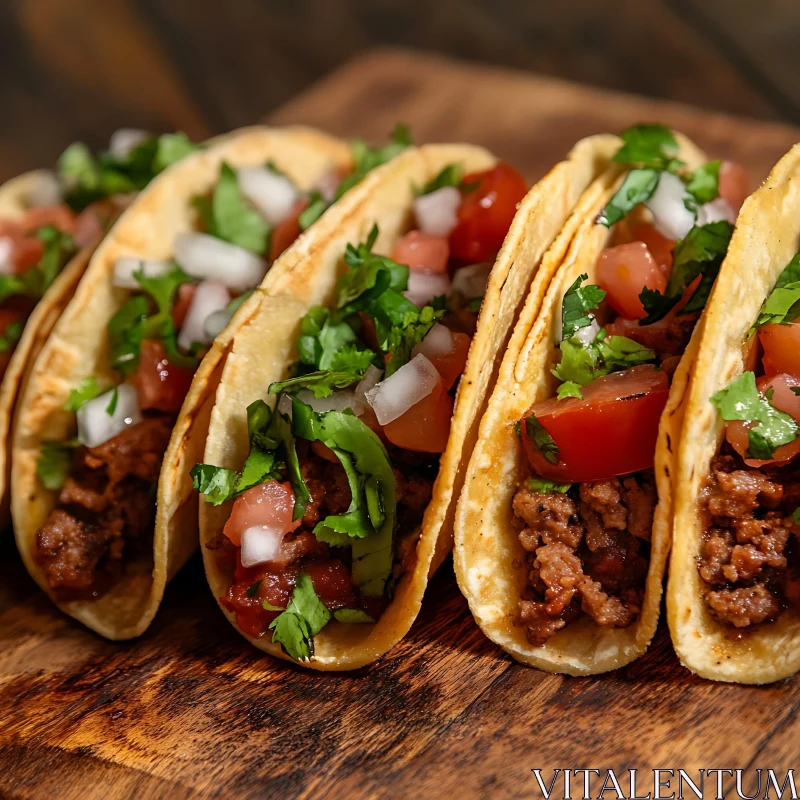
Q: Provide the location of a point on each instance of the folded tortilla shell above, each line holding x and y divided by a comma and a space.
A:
488, 556
263, 350
77, 348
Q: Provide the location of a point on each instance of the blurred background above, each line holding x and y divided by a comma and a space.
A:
82, 68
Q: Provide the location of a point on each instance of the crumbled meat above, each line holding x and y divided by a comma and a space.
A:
586, 553
105, 511
748, 542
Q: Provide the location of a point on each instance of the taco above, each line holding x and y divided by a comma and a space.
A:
352, 393
49, 224
561, 532
734, 579
119, 387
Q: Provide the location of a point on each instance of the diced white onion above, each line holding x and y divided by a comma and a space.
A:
125, 140
436, 212
215, 323
260, 544
471, 281
588, 333
423, 286
209, 296
437, 342
6, 255
670, 216
206, 257
272, 194
370, 379
414, 381
45, 190
337, 401
96, 425
285, 405
126, 266
718, 210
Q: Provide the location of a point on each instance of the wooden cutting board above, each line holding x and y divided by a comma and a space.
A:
190, 710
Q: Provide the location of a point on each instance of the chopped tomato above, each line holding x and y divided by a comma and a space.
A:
734, 184
623, 271
286, 231
60, 217
781, 345
425, 427
182, 302
612, 431
485, 213
88, 227
323, 451
270, 504
659, 246
783, 398
252, 586
160, 384
333, 583
736, 433
451, 365
422, 251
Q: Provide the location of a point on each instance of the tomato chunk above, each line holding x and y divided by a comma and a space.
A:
422, 251
485, 213
270, 504
425, 427
612, 431
623, 271
451, 365
333, 583
781, 345
160, 384
182, 302
659, 246
286, 231
734, 184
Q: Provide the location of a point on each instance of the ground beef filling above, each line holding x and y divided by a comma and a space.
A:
587, 553
105, 512
748, 559
329, 567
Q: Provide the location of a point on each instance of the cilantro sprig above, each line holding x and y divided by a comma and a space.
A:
741, 400
304, 617
783, 304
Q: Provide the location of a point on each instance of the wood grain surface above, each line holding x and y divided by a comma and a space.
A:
190, 710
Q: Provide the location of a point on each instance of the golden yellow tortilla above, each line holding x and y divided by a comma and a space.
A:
263, 349
13, 205
766, 238
488, 556
77, 349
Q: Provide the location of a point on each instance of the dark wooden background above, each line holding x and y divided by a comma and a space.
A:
81, 68
190, 710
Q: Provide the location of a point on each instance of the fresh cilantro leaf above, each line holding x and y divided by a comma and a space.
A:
638, 187
741, 400
796, 390
252, 590
162, 288
124, 331
649, 146
542, 440
269, 607
619, 353
321, 383
305, 616
569, 389
401, 340
703, 185
578, 300
317, 205
352, 615
11, 335
112, 403
367, 158
234, 220
89, 389
542, 486
216, 483
172, 147
701, 252
451, 175
369, 520
261, 465
796, 516
783, 304
53, 464
581, 363
59, 247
